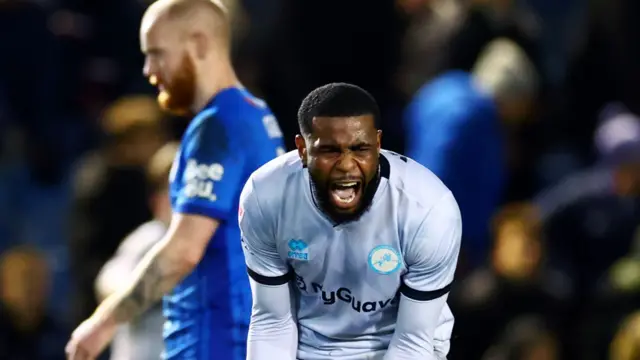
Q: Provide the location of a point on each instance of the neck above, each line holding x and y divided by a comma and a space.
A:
212, 83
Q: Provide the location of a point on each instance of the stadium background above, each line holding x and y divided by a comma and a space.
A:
78, 122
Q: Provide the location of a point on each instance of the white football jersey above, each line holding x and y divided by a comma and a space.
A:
348, 276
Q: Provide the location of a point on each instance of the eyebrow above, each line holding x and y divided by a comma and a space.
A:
333, 145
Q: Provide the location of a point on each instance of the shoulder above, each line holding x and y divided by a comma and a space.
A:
448, 85
268, 184
422, 201
239, 107
235, 113
453, 96
573, 189
413, 182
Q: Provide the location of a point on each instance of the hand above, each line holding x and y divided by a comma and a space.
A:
90, 338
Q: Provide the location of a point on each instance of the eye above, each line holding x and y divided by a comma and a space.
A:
361, 148
329, 150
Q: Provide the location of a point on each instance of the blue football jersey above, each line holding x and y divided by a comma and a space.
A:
208, 313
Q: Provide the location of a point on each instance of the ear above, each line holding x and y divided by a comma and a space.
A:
301, 145
379, 139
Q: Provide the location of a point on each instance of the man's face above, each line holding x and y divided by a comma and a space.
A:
168, 66
342, 157
24, 282
516, 253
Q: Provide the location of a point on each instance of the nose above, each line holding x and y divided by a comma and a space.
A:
146, 69
346, 163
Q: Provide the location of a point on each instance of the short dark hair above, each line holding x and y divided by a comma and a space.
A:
336, 100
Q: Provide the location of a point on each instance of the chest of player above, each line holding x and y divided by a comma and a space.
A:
360, 260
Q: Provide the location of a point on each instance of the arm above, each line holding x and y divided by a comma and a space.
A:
162, 268
431, 259
205, 182
273, 331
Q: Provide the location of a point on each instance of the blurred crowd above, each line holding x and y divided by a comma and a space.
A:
555, 270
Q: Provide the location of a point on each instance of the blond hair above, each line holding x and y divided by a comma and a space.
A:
505, 71
131, 112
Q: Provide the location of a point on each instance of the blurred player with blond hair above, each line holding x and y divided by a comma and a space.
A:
199, 260
457, 127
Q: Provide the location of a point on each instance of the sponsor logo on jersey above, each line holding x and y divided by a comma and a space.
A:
271, 125
298, 250
199, 178
345, 295
384, 259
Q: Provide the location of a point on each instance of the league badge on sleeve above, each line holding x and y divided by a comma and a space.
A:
384, 259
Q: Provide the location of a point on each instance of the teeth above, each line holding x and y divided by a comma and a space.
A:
346, 200
349, 184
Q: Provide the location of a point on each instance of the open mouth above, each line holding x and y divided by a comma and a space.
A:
345, 194
155, 81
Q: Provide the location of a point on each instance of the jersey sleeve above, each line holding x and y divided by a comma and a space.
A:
431, 259
264, 264
420, 337
272, 332
432, 255
212, 170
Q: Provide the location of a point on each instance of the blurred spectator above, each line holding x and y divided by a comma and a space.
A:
141, 339
432, 25
458, 126
517, 281
525, 338
605, 68
590, 217
27, 332
487, 20
589, 220
450, 34
110, 197
618, 295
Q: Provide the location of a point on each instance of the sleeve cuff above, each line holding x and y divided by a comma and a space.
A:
269, 280
195, 209
420, 295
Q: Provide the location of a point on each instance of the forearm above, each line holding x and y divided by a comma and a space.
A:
161, 269
414, 336
273, 332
